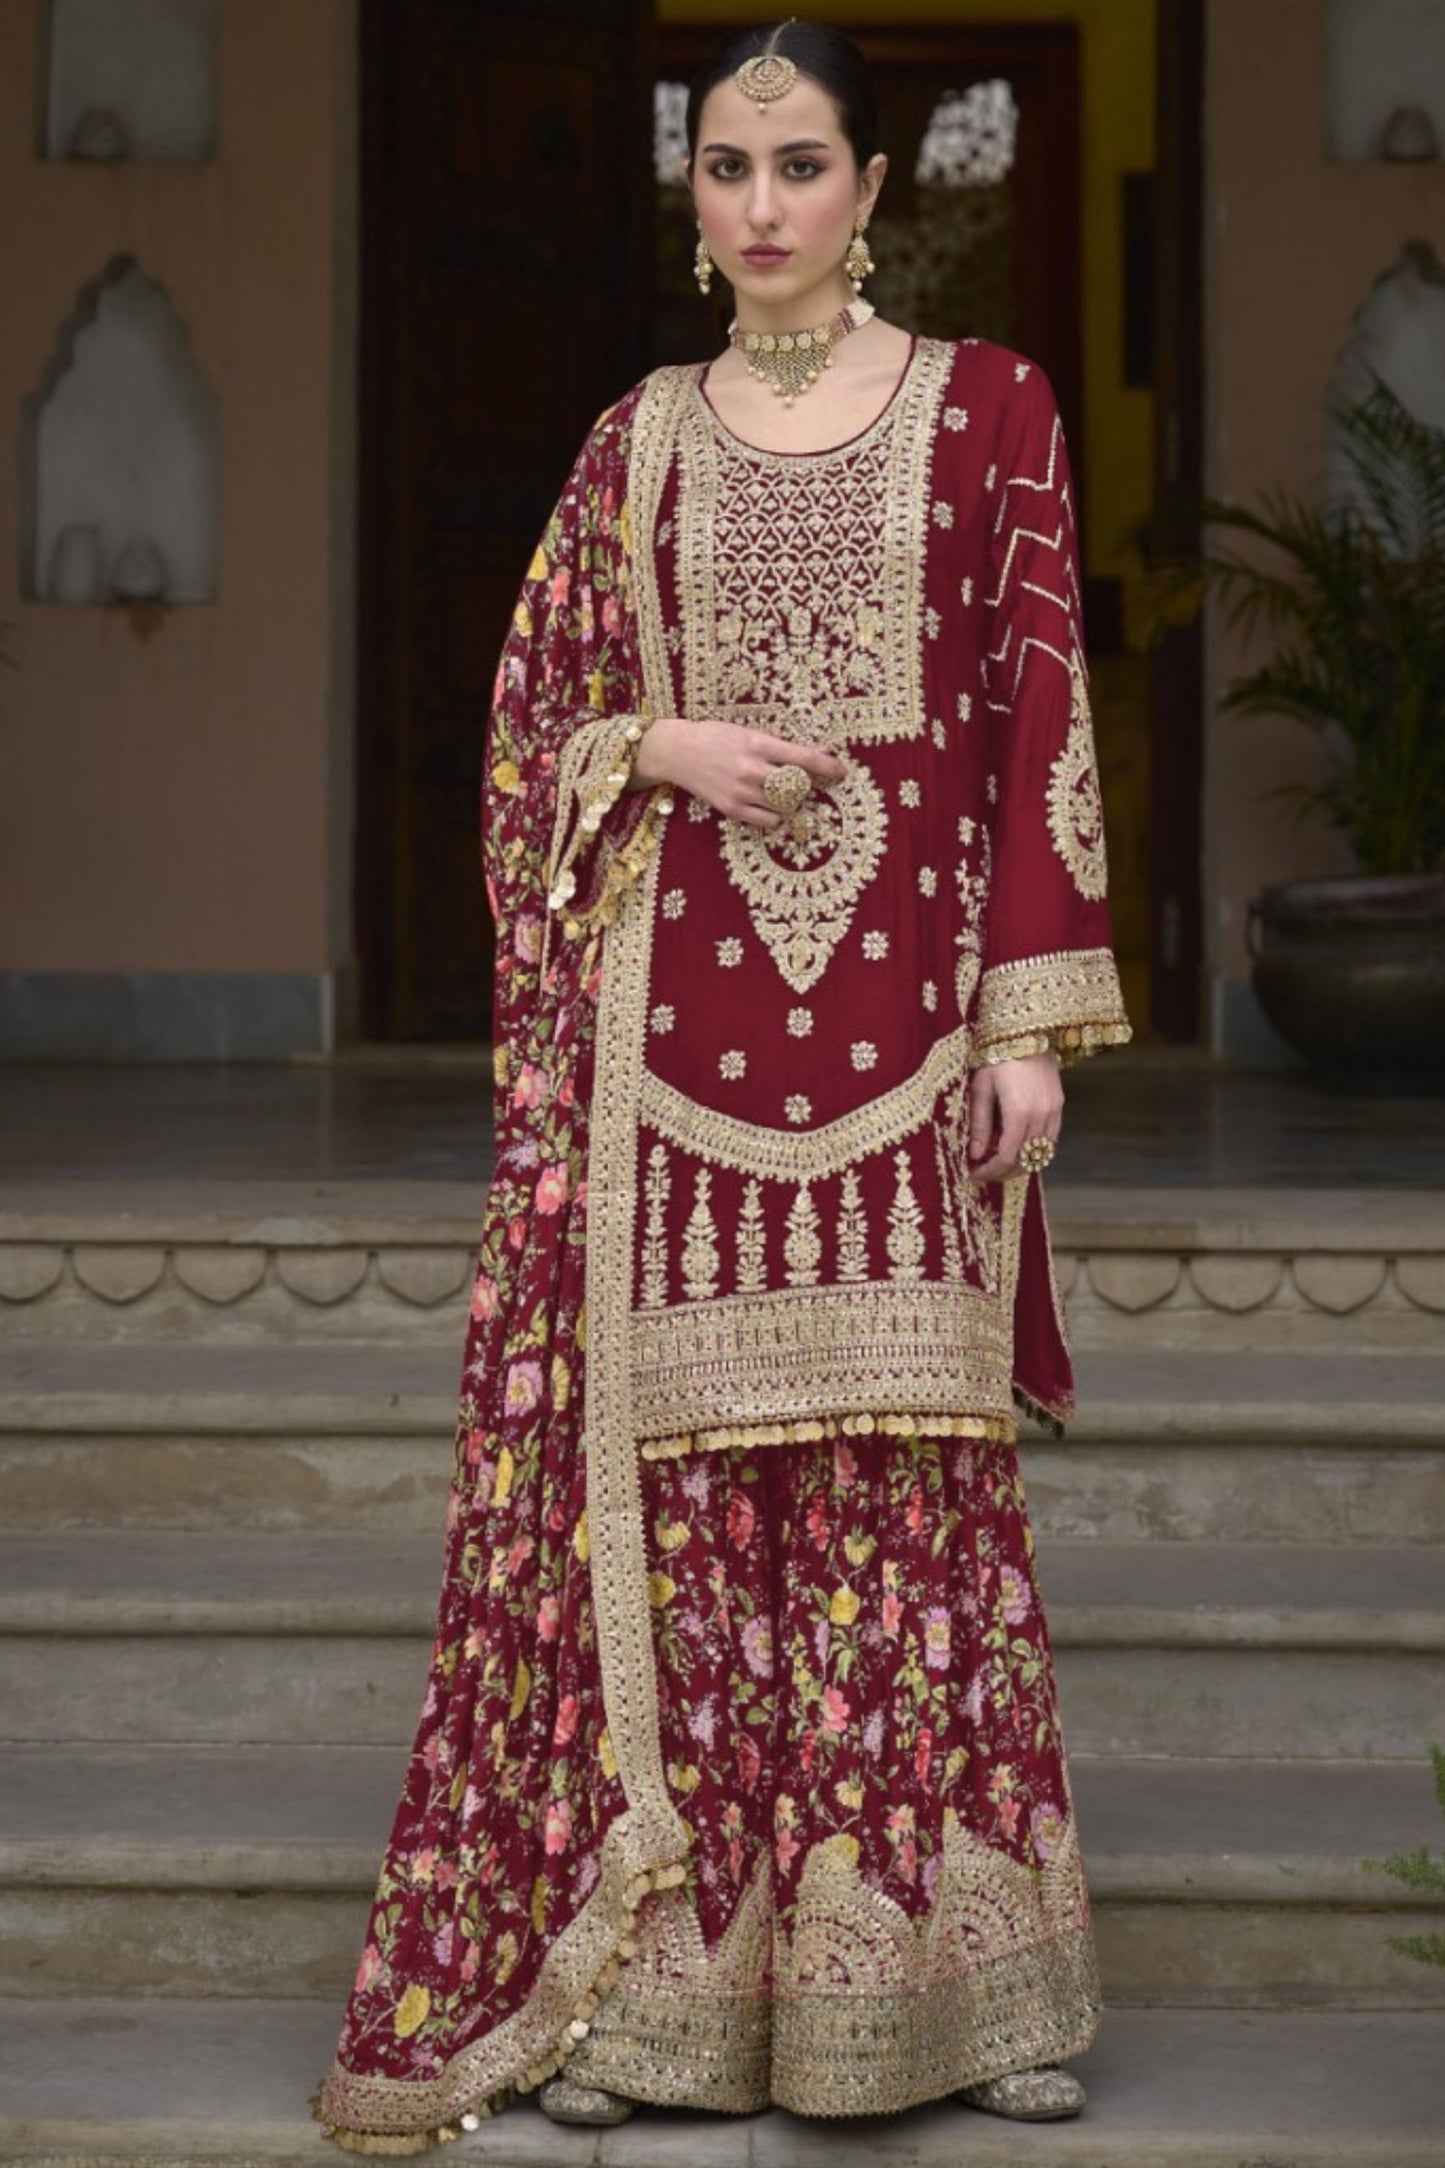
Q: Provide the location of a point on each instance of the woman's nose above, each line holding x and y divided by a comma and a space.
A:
761, 212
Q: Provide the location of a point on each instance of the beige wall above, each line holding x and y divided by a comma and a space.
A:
1295, 240
183, 803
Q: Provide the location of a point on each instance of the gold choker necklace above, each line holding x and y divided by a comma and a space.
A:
789, 361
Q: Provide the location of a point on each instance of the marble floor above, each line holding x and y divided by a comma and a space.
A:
1143, 1117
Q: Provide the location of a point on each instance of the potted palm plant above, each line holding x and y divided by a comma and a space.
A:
1351, 969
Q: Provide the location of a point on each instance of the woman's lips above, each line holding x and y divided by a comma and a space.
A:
766, 255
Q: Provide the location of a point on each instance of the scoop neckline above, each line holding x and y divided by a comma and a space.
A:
823, 451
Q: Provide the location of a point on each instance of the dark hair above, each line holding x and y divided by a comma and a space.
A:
822, 53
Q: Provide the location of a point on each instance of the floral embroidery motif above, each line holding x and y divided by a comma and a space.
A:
942, 512
910, 792
730, 951
955, 417
800, 1023
699, 1245
798, 1107
674, 903
664, 1016
863, 1054
852, 1230
1076, 810
905, 1226
803, 1249
928, 880
732, 1064
930, 994
875, 946
752, 1275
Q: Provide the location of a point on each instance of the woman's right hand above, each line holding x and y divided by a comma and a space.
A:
726, 764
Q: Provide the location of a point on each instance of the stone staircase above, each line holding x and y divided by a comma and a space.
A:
225, 1419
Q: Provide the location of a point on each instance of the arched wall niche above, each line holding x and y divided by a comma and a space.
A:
121, 454
131, 79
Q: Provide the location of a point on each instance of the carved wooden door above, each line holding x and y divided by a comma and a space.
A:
507, 186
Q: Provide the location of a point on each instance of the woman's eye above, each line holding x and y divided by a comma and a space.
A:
802, 169
724, 169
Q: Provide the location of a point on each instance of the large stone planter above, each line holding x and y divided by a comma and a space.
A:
1351, 971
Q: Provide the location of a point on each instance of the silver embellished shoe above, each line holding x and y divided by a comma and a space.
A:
567, 2102
1031, 2096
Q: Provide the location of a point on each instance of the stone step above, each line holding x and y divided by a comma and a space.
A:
1295, 1650
1141, 1265
246, 1871
1263, 1447
173, 2085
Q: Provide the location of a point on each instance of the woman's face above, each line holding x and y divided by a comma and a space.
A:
777, 189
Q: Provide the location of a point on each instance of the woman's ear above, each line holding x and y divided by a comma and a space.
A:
871, 182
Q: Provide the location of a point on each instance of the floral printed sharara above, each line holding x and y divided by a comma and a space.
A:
740, 1776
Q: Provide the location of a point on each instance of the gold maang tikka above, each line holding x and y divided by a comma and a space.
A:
768, 75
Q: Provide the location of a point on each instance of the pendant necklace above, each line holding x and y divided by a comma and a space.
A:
789, 361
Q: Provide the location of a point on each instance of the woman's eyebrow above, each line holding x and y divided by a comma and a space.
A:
784, 150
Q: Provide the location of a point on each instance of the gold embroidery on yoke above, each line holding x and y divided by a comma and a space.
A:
800, 585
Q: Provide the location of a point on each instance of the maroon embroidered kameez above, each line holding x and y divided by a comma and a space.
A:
740, 1776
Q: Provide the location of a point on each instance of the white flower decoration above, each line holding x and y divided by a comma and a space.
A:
971, 137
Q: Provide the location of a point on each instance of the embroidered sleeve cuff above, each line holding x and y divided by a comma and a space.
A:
1068, 1004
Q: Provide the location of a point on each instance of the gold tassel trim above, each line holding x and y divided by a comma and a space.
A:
401, 2145
1071, 1042
1040, 1414
1000, 1428
625, 869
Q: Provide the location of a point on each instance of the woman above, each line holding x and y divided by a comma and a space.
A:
740, 1776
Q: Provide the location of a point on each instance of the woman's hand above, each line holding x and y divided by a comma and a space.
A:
1008, 1101
726, 764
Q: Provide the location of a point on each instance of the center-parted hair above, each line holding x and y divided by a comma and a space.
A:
822, 53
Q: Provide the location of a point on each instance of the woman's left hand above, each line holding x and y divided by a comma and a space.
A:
1008, 1101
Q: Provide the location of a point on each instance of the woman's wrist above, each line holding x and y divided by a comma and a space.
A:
649, 760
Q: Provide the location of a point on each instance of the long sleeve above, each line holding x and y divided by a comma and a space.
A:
1049, 981
561, 835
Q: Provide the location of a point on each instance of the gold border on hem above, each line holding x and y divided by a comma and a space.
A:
808, 1155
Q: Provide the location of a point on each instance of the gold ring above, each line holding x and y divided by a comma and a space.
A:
1035, 1153
787, 787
